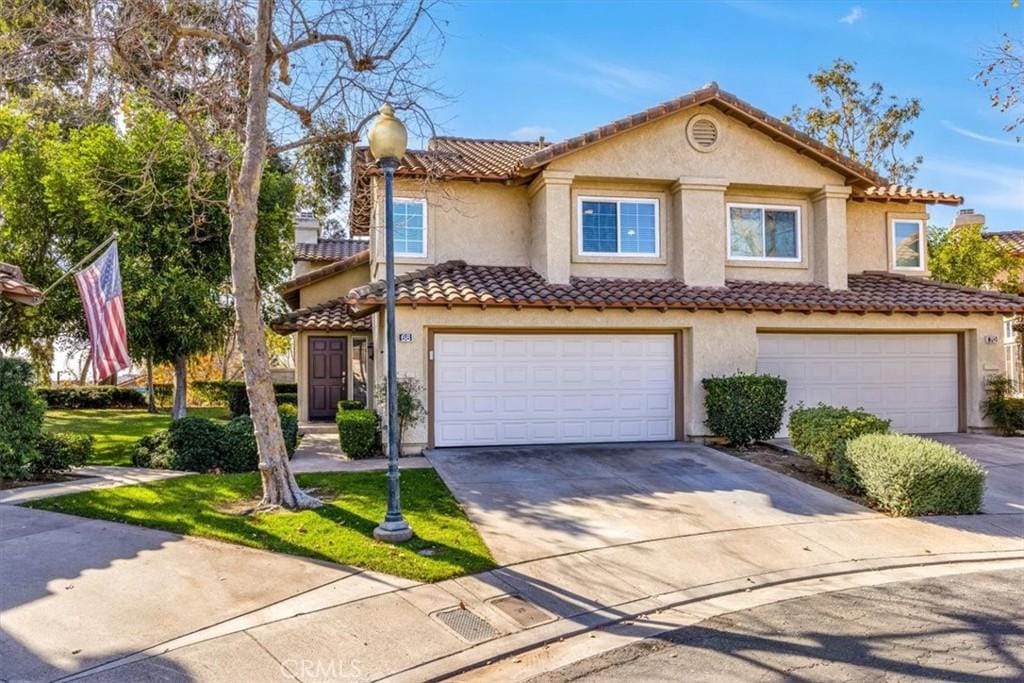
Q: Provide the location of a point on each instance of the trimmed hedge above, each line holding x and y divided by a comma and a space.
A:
822, 433
202, 445
58, 452
358, 431
744, 408
238, 399
21, 417
349, 404
93, 396
909, 476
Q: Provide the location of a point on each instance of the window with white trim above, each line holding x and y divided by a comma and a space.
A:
1009, 333
760, 232
907, 244
618, 227
410, 227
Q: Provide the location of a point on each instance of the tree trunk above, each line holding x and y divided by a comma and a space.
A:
83, 377
150, 389
279, 485
180, 407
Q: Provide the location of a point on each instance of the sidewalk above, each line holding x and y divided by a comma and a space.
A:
320, 451
89, 477
626, 592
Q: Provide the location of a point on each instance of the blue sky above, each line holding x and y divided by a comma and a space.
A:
523, 69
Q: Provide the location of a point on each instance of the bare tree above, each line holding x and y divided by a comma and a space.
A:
248, 79
1003, 74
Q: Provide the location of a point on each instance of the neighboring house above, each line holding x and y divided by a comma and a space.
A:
580, 291
1014, 240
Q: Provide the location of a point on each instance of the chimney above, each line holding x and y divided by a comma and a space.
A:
968, 217
307, 228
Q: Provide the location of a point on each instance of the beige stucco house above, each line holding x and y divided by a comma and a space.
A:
580, 291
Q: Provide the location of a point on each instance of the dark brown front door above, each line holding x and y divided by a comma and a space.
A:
328, 375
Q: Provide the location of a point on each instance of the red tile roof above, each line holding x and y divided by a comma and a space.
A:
329, 249
329, 316
907, 194
1014, 239
456, 284
289, 289
453, 158
14, 287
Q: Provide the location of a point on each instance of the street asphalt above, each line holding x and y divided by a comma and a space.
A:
967, 627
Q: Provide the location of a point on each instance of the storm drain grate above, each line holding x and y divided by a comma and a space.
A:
521, 611
467, 625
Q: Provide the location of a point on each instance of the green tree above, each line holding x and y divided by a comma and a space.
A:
864, 124
962, 255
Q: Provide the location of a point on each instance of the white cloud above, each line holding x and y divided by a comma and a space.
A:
531, 132
609, 79
981, 138
855, 14
983, 185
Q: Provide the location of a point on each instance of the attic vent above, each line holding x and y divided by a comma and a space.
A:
702, 132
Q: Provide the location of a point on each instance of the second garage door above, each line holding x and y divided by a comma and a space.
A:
495, 389
911, 379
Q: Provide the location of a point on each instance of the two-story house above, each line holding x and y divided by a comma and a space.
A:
580, 291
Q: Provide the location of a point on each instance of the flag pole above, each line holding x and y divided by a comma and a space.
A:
85, 258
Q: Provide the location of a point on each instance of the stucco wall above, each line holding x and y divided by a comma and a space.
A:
867, 231
715, 343
335, 286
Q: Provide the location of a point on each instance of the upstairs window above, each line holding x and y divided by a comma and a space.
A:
410, 227
907, 243
618, 227
764, 233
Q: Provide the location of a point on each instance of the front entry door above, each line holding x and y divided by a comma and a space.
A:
328, 375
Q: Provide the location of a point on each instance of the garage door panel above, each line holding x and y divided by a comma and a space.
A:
911, 379
562, 389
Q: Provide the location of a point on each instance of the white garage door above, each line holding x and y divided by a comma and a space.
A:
910, 379
553, 388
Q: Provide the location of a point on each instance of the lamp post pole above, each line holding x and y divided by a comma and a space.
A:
394, 528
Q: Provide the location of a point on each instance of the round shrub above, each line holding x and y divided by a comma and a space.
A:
744, 408
349, 404
909, 476
21, 417
822, 433
197, 444
289, 416
58, 452
153, 451
240, 452
358, 432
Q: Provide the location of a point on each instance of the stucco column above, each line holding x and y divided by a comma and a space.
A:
551, 225
829, 236
698, 212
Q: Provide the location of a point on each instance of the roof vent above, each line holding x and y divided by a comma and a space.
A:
702, 132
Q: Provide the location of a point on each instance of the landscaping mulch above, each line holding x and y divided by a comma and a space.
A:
791, 465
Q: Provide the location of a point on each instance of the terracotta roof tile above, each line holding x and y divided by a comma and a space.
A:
289, 289
14, 287
907, 194
455, 284
1014, 239
329, 249
329, 316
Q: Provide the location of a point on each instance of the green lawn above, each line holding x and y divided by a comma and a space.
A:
114, 431
211, 506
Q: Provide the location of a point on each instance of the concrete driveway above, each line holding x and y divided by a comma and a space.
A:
1003, 457
541, 501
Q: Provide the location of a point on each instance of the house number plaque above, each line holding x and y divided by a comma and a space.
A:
405, 337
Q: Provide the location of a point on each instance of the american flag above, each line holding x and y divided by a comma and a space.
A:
100, 287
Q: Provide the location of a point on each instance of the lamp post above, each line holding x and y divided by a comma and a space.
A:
387, 145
